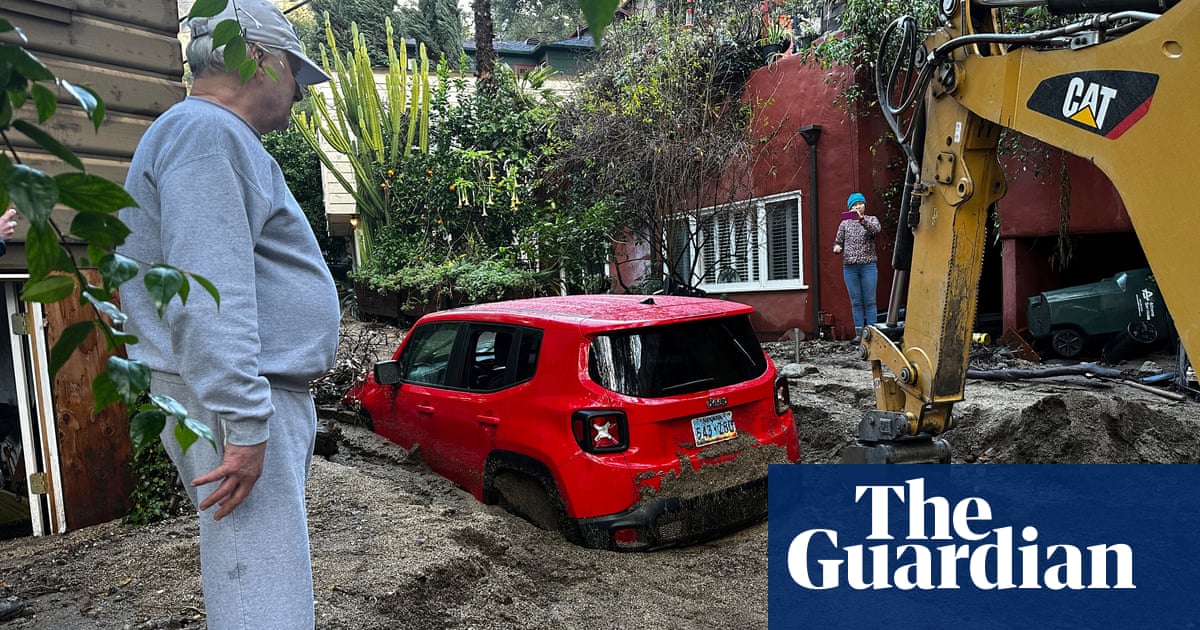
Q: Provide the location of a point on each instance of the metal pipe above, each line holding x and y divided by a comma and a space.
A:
811, 135
902, 254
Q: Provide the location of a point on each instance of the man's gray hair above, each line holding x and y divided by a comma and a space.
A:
202, 58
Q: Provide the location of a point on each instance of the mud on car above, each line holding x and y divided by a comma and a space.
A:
624, 422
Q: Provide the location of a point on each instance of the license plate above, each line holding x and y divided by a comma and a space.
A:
717, 427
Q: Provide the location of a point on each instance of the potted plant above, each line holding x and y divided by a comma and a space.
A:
776, 40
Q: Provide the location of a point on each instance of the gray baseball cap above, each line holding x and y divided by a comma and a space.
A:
264, 23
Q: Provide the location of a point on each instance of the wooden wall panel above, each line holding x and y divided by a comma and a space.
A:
56, 11
124, 91
94, 449
118, 135
101, 41
112, 168
159, 15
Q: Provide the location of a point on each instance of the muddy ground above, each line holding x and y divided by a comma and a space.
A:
395, 546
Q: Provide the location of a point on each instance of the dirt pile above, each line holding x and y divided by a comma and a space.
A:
1067, 420
395, 546
1080, 428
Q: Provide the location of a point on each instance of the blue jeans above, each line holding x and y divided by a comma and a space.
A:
860, 284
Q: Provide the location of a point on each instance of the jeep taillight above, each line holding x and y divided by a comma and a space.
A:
600, 430
783, 395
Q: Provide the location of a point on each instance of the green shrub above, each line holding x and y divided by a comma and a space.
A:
156, 494
458, 282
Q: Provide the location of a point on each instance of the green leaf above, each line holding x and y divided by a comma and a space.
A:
163, 283
130, 378
145, 427
246, 69
93, 254
169, 405
207, 8
185, 436
101, 109
116, 270
71, 338
208, 286
185, 289
229, 32
104, 393
16, 99
119, 339
44, 100
49, 289
5, 169
88, 100
25, 63
92, 290
200, 429
108, 309
599, 14
47, 142
43, 252
6, 113
99, 229
33, 192
90, 192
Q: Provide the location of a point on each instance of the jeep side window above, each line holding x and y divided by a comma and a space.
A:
491, 362
427, 354
527, 354
488, 358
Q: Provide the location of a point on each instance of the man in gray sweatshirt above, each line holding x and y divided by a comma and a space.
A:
212, 201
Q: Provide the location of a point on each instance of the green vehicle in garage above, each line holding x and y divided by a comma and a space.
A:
1071, 318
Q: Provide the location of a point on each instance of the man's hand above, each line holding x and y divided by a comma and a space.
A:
238, 472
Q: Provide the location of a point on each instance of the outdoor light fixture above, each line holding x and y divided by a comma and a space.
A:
354, 221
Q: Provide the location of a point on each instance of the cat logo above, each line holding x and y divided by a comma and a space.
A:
1105, 102
1087, 103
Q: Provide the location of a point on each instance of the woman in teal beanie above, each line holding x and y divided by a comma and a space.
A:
856, 242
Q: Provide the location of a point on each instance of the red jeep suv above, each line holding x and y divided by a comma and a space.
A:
625, 422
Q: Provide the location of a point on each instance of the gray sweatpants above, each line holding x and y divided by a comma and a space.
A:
255, 564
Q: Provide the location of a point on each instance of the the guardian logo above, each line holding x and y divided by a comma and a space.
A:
948, 545
985, 547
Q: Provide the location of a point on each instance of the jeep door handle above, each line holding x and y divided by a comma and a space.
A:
488, 420
425, 408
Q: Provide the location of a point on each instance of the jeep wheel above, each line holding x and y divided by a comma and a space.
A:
1067, 343
528, 498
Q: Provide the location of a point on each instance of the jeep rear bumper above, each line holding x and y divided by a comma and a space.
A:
676, 521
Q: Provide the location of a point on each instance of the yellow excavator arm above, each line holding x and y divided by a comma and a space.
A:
1118, 88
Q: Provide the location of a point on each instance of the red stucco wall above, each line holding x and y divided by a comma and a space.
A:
1031, 207
851, 157
854, 154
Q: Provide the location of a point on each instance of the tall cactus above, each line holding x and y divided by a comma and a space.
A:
375, 133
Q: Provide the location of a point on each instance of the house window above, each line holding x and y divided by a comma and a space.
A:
749, 246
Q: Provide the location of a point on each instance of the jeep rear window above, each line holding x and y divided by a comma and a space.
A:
677, 359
